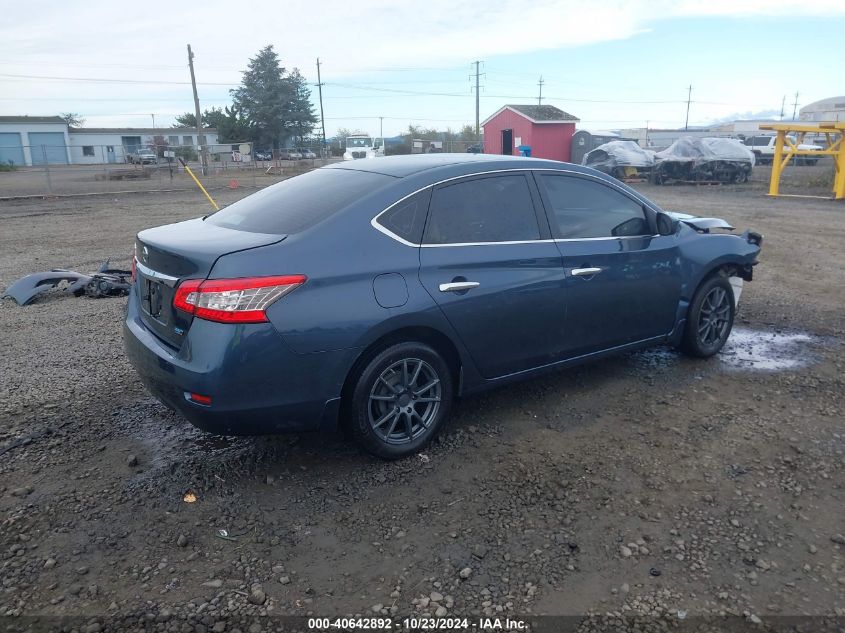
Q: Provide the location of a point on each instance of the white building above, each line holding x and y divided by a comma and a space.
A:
832, 109
33, 140
89, 146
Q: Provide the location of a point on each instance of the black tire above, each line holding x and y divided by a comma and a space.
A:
401, 398
741, 177
710, 318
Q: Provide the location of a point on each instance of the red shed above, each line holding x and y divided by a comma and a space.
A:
547, 130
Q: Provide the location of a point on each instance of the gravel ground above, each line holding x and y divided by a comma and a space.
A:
647, 485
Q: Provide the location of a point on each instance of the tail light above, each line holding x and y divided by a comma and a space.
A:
241, 300
134, 262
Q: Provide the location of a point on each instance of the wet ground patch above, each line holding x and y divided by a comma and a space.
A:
746, 349
770, 350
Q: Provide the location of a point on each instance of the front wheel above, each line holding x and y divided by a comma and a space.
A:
401, 399
710, 318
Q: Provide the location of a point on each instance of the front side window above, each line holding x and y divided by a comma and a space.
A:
493, 209
582, 209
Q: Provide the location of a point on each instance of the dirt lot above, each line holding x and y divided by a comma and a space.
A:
645, 485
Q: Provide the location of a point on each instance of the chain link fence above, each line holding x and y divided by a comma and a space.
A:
45, 170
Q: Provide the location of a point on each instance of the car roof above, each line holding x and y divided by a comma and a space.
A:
408, 165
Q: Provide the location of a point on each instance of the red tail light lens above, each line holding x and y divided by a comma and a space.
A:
242, 300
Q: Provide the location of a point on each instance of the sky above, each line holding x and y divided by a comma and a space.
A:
613, 64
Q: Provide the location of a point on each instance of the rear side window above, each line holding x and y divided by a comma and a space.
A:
586, 209
494, 209
299, 203
407, 218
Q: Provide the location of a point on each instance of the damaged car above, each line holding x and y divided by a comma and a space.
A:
620, 159
688, 159
371, 294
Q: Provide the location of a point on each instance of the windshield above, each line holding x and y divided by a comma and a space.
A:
359, 142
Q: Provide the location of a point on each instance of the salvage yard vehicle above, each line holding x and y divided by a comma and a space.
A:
142, 157
763, 148
288, 154
703, 160
371, 294
620, 159
363, 146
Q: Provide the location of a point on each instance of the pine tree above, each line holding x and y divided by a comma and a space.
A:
275, 104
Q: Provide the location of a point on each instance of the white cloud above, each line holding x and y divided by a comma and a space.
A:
147, 40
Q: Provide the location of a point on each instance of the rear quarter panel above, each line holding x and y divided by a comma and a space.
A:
342, 256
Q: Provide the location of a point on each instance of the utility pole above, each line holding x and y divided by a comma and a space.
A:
795, 106
197, 110
381, 128
477, 75
320, 90
540, 98
782, 106
689, 98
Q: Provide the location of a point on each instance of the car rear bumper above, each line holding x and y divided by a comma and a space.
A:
256, 383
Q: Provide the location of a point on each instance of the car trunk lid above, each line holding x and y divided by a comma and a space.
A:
167, 255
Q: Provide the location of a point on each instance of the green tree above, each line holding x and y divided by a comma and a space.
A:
275, 103
301, 112
467, 133
210, 118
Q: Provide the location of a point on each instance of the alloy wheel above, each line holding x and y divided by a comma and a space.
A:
404, 401
714, 317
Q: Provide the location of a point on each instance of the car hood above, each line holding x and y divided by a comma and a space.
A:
699, 223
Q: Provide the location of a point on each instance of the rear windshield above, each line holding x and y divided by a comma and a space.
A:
298, 203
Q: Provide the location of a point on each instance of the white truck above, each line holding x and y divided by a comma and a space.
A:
363, 146
763, 147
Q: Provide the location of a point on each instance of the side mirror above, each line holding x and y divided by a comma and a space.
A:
666, 224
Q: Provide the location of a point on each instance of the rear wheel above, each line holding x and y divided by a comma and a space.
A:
401, 398
741, 176
710, 318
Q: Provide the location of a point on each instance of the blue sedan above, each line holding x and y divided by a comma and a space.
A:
370, 294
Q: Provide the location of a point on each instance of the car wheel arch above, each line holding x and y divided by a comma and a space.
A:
726, 269
436, 339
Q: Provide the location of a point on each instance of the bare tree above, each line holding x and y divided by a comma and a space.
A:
73, 119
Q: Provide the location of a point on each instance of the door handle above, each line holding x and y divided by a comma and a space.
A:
584, 272
459, 286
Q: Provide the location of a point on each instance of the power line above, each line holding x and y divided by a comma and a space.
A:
113, 81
